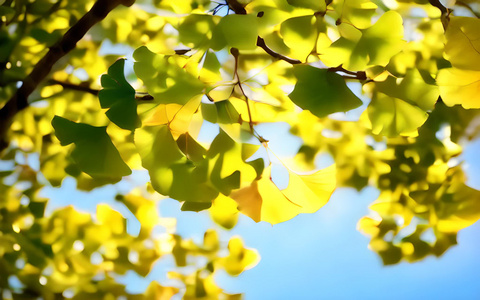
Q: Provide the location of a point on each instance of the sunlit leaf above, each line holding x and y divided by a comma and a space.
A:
462, 47
165, 78
299, 35
233, 30
264, 201
459, 87
358, 49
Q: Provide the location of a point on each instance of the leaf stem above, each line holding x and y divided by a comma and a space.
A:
235, 53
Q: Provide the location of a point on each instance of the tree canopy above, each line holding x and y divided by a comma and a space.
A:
389, 90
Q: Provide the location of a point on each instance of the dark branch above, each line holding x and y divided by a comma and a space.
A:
261, 44
84, 88
75, 87
236, 7
360, 75
445, 12
439, 5
19, 101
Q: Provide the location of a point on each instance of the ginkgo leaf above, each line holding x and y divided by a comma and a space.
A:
412, 88
224, 211
177, 117
264, 201
196, 29
459, 210
312, 4
322, 92
462, 46
228, 161
165, 77
119, 96
300, 35
459, 86
94, 152
312, 191
170, 171
238, 31
239, 258
391, 116
356, 12
358, 49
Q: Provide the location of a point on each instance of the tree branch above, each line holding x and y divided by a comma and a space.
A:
360, 75
83, 88
75, 87
19, 100
261, 44
445, 12
237, 7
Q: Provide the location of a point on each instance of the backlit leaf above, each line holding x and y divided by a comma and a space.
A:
300, 35
263, 201
462, 47
358, 49
392, 116
238, 31
459, 87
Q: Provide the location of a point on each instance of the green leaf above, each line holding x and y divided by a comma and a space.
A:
165, 77
391, 116
316, 5
356, 12
358, 49
196, 30
119, 96
322, 92
94, 152
238, 31
300, 35
413, 89
170, 171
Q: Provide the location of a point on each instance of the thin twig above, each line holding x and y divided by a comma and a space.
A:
75, 87
235, 53
83, 88
445, 12
261, 44
19, 100
360, 75
236, 7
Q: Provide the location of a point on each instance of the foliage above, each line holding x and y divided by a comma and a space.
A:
411, 68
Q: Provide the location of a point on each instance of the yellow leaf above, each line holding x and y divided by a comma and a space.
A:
176, 116
462, 47
239, 258
459, 87
263, 200
311, 192
224, 211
